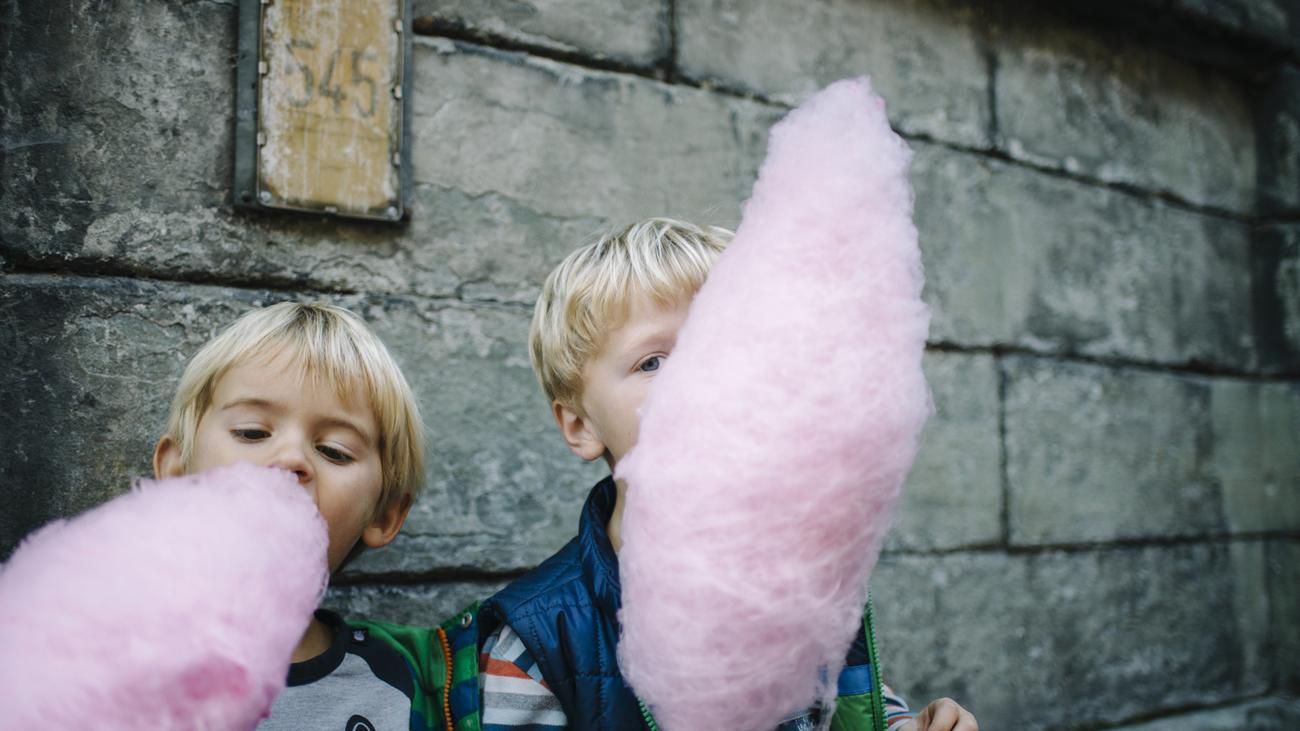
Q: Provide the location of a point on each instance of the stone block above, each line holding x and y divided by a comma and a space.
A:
1125, 279
1104, 454
1275, 290
1278, 119
923, 55
1284, 597
90, 368
1274, 22
977, 281
1252, 614
93, 365
1124, 114
1065, 640
516, 161
581, 150
105, 112
953, 497
1255, 460
421, 605
627, 31
1269, 714
1183, 456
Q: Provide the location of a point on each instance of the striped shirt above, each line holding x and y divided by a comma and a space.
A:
516, 697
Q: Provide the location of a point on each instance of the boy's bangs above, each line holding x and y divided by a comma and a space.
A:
321, 359
666, 274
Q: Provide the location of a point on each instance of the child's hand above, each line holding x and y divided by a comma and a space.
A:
943, 715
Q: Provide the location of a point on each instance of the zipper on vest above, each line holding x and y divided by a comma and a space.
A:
877, 689
447, 659
649, 719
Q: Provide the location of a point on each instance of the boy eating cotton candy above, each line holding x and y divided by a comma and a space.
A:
310, 389
606, 321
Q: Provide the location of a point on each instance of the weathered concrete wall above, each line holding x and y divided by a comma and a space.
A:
1104, 524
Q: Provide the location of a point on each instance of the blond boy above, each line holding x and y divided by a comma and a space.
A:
606, 321
310, 389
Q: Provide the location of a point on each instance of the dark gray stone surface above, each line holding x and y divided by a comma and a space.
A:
1254, 456
1016, 257
633, 32
416, 604
86, 386
1124, 114
1068, 640
102, 113
1275, 292
1270, 714
1274, 22
1284, 592
523, 140
923, 56
953, 497
516, 160
1183, 455
1100, 454
1278, 119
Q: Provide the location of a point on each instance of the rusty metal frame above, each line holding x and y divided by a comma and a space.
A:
245, 191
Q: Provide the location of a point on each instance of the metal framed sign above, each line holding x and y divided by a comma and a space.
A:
321, 120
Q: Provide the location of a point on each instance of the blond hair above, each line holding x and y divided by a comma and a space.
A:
331, 345
588, 294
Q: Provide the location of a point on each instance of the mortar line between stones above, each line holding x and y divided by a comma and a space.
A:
1004, 476
88, 271
476, 40
463, 574
1145, 195
462, 35
105, 271
1274, 670
1111, 544
1170, 712
995, 126
1278, 219
1177, 369
671, 73
469, 574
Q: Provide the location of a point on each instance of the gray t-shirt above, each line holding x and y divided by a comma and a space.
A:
358, 684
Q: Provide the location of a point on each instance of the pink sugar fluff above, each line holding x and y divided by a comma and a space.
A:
174, 606
775, 441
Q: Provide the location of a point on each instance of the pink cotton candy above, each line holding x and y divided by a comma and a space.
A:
175, 606
775, 440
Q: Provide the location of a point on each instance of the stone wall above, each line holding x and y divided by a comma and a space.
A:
1104, 525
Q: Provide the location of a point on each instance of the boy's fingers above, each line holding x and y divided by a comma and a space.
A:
944, 715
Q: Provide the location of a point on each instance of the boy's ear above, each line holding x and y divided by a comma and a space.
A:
167, 459
577, 432
387, 522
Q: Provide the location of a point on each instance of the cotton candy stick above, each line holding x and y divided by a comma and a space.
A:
776, 438
174, 606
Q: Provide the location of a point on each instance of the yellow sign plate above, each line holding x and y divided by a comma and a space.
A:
330, 108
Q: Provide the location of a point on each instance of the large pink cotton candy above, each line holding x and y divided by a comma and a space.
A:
774, 442
175, 606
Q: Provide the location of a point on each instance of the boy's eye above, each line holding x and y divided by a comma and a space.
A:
334, 455
650, 365
250, 435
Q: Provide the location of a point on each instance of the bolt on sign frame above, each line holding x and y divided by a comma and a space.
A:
321, 117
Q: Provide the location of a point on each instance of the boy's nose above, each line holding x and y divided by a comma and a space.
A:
293, 459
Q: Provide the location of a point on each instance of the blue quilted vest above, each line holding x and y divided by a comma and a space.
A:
565, 612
